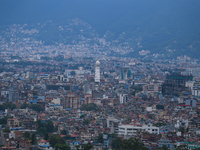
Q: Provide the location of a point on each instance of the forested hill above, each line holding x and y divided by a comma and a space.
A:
157, 25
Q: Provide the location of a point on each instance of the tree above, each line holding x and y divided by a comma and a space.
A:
36, 107
164, 147
88, 146
33, 139
116, 143
7, 105
56, 139
182, 130
46, 126
27, 135
67, 137
182, 147
73, 73
4, 120
24, 106
89, 107
64, 132
132, 144
86, 122
41, 130
160, 107
77, 147
62, 147
6, 130
46, 136
100, 138
49, 125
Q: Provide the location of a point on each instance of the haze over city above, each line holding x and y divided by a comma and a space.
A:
99, 75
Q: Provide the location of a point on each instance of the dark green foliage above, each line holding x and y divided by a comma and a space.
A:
67, 137
89, 107
182, 130
100, 138
136, 88
133, 144
33, 139
6, 130
116, 143
57, 141
88, 146
182, 147
7, 106
27, 135
160, 107
35, 107
45, 127
159, 124
49, 125
72, 73
64, 132
55, 129
164, 147
4, 120
86, 122
46, 136
24, 106
82, 116
62, 147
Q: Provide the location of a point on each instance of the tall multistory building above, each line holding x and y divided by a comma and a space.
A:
13, 95
71, 101
175, 84
97, 72
124, 73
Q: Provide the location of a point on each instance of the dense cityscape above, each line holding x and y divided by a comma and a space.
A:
51, 98
99, 75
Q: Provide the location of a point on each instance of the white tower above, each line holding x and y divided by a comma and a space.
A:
97, 72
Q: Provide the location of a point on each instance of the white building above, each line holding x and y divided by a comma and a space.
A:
123, 98
113, 124
132, 129
97, 72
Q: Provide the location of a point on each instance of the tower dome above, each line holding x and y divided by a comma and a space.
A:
97, 63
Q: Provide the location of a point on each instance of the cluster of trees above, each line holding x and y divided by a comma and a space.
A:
58, 142
27, 135
89, 107
130, 144
7, 106
86, 122
88, 146
3, 120
35, 107
45, 127
160, 107
159, 124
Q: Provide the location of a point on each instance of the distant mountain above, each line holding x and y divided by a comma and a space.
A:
160, 26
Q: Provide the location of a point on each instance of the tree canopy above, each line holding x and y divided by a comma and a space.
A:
58, 142
45, 126
7, 106
130, 144
89, 107
160, 107
35, 107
